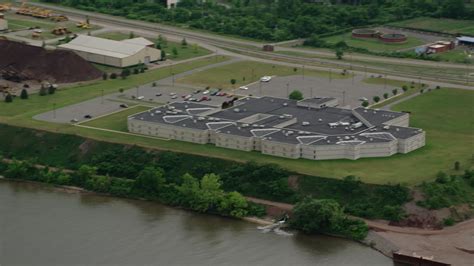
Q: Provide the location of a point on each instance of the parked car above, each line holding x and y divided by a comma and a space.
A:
88, 116
123, 105
172, 93
158, 94
363, 99
244, 88
265, 79
197, 91
204, 98
174, 96
205, 92
140, 98
74, 120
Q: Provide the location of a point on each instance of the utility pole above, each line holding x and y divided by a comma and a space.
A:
287, 89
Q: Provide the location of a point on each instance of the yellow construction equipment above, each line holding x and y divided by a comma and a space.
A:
83, 25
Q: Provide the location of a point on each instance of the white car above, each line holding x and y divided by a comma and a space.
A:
140, 98
174, 96
363, 99
265, 79
205, 92
244, 88
172, 93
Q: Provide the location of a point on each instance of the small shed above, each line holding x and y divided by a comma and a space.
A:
465, 40
268, 48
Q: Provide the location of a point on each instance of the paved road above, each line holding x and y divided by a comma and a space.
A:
221, 41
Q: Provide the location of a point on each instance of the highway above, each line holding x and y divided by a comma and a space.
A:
251, 50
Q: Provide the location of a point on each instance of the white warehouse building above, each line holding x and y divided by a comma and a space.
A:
122, 54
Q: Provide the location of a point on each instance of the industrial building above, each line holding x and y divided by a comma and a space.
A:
314, 129
465, 40
122, 54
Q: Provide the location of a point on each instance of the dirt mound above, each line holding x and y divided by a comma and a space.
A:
36, 63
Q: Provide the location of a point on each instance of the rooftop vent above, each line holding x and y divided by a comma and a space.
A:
305, 123
386, 127
285, 104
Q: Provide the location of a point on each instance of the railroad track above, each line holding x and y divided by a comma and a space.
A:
243, 47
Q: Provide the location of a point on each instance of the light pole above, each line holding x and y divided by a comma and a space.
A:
303, 71
102, 96
287, 89
54, 110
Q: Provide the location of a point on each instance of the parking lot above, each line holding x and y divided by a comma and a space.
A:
348, 91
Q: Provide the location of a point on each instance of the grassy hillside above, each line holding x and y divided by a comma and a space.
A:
442, 25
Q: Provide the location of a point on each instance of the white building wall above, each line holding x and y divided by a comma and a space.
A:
413, 143
234, 142
402, 121
168, 131
281, 149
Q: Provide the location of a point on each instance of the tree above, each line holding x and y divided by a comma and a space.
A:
131, 35
233, 81
395, 92
163, 55
125, 73
175, 52
113, 75
51, 89
365, 103
316, 216
104, 76
121, 90
24, 94
339, 54
9, 98
233, 204
84, 173
150, 182
195, 48
376, 99
162, 41
296, 95
385, 95
184, 43
457, 165
404, 88
43, 91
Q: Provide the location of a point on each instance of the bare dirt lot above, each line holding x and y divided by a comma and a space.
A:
55, 66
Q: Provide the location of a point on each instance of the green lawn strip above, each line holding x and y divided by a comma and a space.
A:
373, 44
246, 72
455, 56
116, 121
435, 24
114, 35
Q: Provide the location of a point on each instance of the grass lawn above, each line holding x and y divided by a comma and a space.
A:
373, 44
455, 56
246, 72
444, 25
116, 121
192, 50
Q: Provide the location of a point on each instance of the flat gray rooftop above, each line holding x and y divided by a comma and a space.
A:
282, 120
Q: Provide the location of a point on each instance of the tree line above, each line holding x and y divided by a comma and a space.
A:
276, 20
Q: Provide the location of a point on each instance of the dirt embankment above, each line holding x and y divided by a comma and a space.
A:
36, 63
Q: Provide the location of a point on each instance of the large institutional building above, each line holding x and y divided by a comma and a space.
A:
121, 54
314, 128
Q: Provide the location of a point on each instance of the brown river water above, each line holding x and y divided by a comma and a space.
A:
42, 226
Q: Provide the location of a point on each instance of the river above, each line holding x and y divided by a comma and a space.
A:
40, 225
